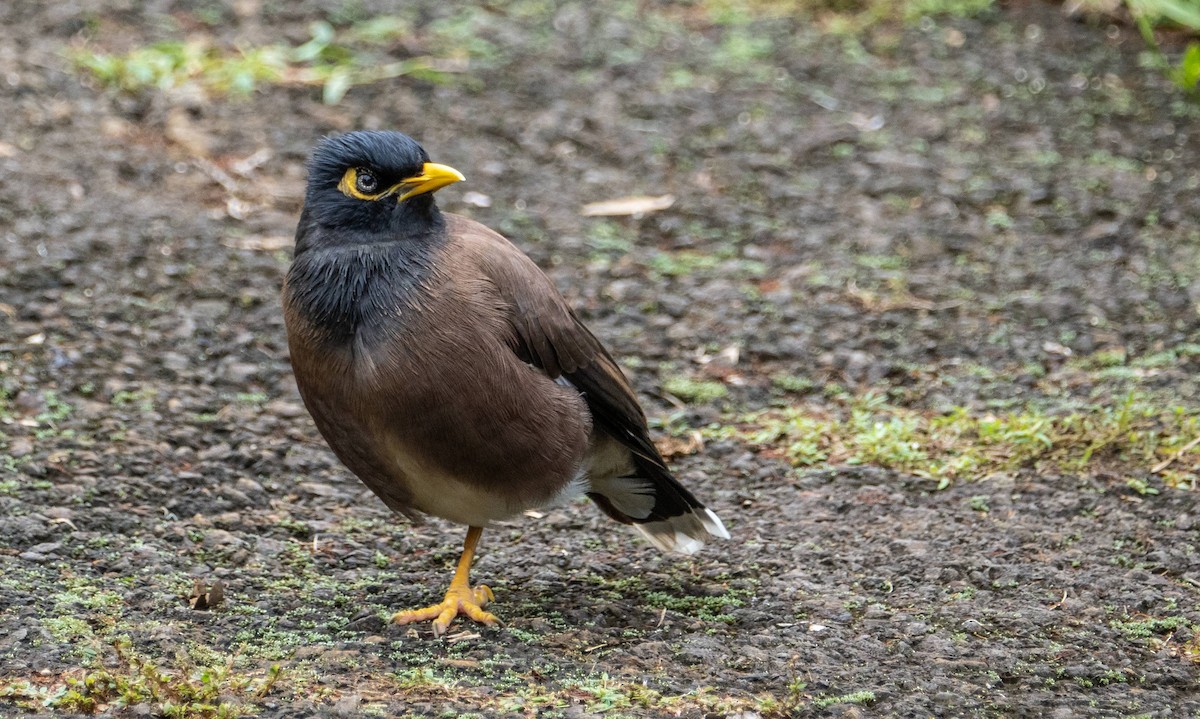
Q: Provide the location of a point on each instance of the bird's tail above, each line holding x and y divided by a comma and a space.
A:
658, 506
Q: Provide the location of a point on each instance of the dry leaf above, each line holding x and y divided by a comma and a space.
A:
671, 446
203, 598
261, 243
622, 206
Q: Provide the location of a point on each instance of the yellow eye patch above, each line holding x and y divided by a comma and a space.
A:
352, 185
361, 184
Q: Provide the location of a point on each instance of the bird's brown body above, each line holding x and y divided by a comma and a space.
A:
387, 399
446, 370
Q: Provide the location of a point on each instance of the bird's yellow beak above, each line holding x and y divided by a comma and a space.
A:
433, 177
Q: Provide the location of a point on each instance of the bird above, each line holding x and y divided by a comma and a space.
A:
447, 372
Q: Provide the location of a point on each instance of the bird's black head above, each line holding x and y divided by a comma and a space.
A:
363, 184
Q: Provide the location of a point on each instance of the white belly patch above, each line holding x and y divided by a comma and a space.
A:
443, 495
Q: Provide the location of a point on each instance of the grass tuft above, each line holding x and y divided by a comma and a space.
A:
333, 62
694, 391
121, 676
963, 443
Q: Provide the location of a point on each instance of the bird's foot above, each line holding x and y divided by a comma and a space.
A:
460, 599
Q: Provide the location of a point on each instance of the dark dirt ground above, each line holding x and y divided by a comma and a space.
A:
941, 212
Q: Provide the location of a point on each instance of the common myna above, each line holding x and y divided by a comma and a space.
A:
448, 373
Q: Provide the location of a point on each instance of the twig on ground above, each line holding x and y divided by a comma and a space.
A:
1182, 451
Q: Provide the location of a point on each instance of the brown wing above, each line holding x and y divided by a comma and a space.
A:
548, 335
544, 332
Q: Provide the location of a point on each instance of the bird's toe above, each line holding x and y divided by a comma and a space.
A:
468, 601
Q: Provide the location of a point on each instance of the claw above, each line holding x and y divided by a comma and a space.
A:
460, 599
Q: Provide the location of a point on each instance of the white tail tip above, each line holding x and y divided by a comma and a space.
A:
686, 533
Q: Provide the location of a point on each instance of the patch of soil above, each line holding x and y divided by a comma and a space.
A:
998, 193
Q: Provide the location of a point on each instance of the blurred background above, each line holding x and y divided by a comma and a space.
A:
944, 240
943, 202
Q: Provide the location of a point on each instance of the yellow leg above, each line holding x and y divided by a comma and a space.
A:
460, 597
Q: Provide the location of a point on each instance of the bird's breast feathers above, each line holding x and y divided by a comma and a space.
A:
463, 427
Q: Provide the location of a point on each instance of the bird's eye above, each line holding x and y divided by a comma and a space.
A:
365, 182
361, 184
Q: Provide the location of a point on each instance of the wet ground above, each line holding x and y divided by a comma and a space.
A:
957, 213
